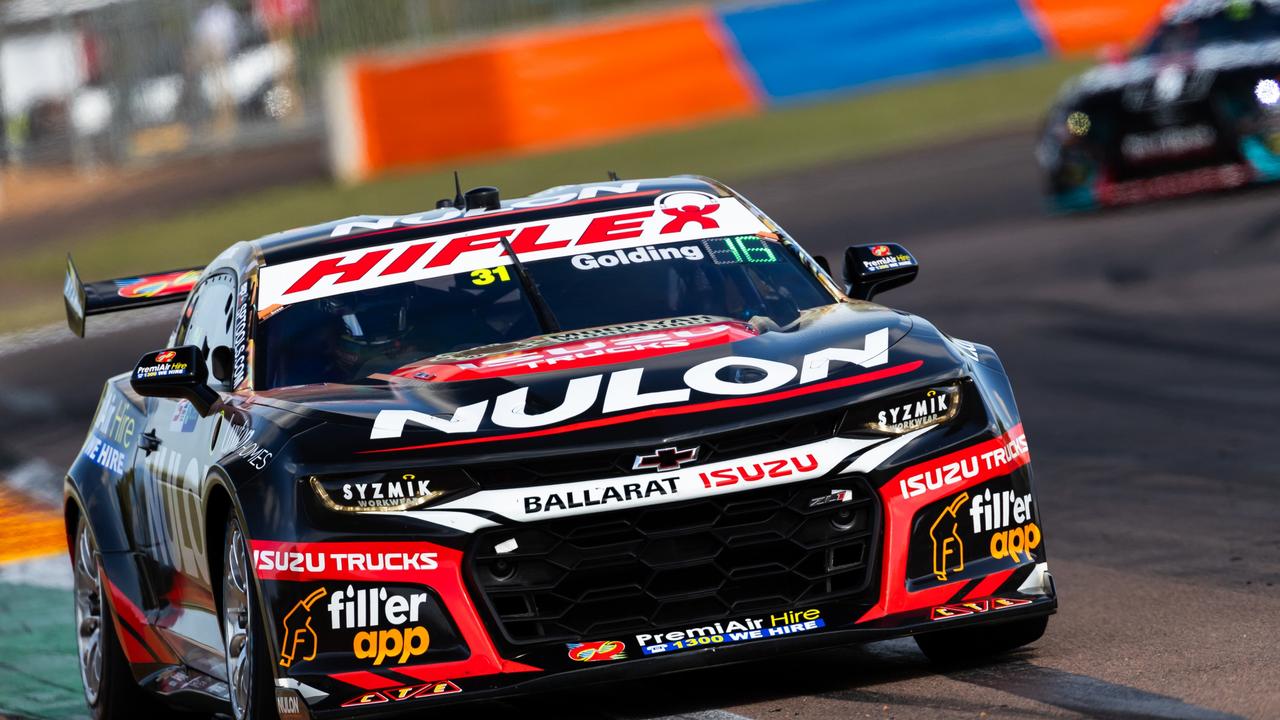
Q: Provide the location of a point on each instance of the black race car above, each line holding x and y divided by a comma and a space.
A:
1196, 109
607, 430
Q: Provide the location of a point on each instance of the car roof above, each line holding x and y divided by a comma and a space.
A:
1192, 10
361, 230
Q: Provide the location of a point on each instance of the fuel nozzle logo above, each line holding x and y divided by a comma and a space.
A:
299, 636
948, 548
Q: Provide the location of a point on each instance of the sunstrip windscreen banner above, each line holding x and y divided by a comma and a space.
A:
582, 354
674, 217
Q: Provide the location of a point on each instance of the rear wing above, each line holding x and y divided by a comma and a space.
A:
131, 293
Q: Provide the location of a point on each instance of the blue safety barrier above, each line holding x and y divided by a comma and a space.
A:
823, 46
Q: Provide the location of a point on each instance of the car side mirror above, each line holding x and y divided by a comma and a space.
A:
176, 373
823, 263
872, 269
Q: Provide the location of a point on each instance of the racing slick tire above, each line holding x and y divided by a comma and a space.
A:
951, 646
109, 687
250, 682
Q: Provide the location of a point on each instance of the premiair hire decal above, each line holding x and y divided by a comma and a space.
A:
791, 622
675, 217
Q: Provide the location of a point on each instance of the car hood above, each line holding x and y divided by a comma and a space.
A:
719, 374
1210, 59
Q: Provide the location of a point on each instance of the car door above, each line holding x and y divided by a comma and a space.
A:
177, 453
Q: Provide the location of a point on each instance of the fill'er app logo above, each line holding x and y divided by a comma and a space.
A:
387, 624
948, 549
299, 637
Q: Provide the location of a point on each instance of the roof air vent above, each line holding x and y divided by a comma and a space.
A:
483, 197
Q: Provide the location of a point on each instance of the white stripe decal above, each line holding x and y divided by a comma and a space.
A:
544, 502
875, 457
312, 695
461, 521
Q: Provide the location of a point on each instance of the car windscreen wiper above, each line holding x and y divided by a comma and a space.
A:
546, 319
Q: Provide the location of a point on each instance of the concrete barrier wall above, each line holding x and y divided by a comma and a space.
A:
618, 76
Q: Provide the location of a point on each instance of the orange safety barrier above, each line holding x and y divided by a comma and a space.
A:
536, 89
28, 529
1076, 26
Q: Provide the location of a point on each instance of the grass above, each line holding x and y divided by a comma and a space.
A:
39, 677
789, 138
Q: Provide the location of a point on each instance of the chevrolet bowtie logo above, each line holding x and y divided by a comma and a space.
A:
668, 458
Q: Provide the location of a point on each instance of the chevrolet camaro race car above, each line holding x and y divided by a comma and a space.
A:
608, 430
1196, 109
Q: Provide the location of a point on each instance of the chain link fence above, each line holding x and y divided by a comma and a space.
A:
108, 82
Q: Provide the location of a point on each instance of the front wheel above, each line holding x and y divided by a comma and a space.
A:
109, 688
971, 643
249, 679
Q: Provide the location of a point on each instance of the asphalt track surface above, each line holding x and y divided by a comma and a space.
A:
1144, 345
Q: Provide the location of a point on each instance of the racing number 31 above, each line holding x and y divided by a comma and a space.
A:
485, 276
740, 249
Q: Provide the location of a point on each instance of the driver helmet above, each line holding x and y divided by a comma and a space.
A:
371, 321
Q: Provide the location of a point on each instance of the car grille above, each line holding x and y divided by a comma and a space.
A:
1157, 141
585, 578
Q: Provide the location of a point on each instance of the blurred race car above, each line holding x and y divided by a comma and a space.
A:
609, 430
1196, 109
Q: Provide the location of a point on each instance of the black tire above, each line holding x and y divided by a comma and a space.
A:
257, 700
973, 643
109, 687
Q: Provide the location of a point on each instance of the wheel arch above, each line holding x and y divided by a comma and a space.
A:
221, 499
101, 510
71, 512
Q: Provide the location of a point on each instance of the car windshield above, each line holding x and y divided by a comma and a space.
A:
348, 337
1238, 22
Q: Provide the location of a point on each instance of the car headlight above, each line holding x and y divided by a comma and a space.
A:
1267, 91
389, 491
1079, 124
907, 412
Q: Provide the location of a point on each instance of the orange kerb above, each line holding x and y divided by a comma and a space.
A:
28, 530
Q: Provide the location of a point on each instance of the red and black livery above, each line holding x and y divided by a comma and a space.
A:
608, 430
